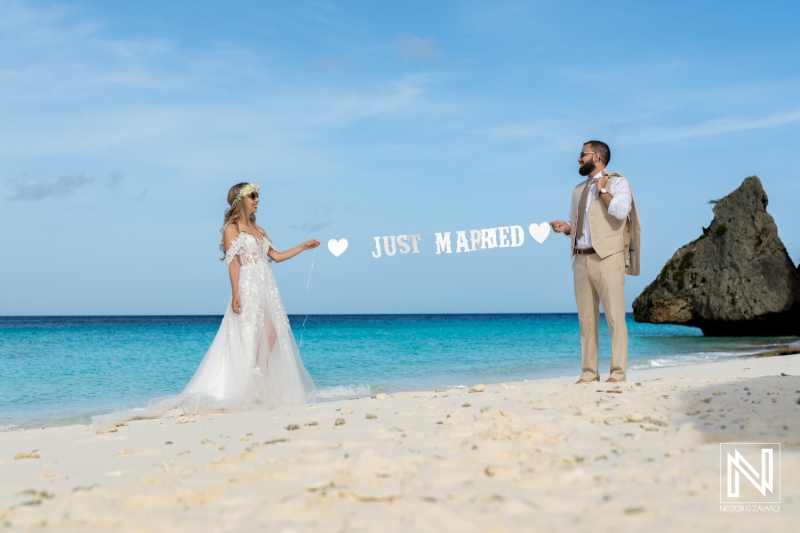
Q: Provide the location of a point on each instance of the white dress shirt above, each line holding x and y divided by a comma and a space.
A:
619, 207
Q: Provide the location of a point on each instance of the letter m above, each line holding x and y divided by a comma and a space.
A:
738, 464
443, 243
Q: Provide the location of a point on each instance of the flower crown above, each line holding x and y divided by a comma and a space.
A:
247, 190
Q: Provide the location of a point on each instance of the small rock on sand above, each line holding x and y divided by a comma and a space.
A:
371, 416
478, 388
634, 510
340, 422
320, 485
29, 455
42, 494
655, 421
381, 396
635, 417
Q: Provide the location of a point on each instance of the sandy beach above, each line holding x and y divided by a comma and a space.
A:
542, 455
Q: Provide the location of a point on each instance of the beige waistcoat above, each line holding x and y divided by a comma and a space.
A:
610, 234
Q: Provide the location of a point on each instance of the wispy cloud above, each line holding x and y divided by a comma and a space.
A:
382, 99
715, 127
413, 48
154, 102
25, 26
331, 63
315, 210
310, 227
27, 189
202, 111
114, 179
501, 18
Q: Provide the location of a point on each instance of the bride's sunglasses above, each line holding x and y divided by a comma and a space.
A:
253, 195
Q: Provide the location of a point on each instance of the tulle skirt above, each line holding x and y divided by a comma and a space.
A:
253, 362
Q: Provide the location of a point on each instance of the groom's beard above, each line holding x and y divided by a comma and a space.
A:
587, 169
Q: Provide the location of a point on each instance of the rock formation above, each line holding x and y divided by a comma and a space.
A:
735, 279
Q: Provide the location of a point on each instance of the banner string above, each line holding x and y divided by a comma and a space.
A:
308, 284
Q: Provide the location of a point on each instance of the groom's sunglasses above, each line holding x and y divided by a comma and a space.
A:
253, 195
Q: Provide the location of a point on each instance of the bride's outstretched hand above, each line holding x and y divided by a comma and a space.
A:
308, 245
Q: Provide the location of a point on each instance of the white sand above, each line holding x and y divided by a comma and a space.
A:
542, 455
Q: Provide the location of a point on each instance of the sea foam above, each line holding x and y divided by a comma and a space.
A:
343, 391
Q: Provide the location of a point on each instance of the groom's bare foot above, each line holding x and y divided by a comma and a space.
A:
583, 381
612, 380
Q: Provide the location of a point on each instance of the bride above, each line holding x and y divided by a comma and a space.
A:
253, 361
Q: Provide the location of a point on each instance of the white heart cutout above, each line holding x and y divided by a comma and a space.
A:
539, 231
337, 248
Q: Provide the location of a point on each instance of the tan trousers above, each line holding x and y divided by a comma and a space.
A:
601, 280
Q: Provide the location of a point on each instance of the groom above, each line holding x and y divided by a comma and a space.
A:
604, 231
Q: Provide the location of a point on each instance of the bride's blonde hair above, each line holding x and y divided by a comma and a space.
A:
234, 213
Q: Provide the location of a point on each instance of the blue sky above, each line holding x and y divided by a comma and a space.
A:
125, 123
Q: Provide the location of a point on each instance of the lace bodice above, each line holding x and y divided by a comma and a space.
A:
249, 249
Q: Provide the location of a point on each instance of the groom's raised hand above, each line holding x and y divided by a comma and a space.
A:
560, 226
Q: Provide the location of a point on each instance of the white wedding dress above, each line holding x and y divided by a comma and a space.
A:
253, 361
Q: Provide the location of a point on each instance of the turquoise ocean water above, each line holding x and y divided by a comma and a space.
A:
62, 370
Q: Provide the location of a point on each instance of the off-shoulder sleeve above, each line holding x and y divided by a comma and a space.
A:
233, 250
269, 245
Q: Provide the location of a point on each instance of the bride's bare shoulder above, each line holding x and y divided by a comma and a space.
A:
230, 233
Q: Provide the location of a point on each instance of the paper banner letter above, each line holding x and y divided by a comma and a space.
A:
502, 237
475, 239
443, 243
517, 236
414, 239
386, 241
461, 242
402, 241
488, 238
